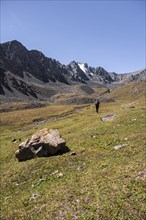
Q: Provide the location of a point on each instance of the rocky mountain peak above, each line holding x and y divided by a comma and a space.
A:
13, 48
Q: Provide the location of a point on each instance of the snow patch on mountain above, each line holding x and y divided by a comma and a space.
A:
82, 67
85, 69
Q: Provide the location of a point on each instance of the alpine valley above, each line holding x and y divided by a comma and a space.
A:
28, 75
48, 108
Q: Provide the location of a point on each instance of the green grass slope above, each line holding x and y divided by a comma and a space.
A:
98, 183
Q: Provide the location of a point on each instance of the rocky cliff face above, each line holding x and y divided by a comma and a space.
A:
30, 73
76, 73
18, 60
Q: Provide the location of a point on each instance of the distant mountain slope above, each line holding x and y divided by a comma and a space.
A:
132, 91
28, 74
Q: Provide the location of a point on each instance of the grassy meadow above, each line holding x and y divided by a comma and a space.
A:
98, 183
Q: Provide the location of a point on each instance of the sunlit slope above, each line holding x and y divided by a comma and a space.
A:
128, 92
99, 182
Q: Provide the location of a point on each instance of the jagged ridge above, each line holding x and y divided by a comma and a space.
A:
32, 74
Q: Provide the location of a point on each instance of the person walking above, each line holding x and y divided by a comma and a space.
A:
97, 103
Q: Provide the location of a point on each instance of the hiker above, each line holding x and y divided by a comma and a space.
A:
97, 105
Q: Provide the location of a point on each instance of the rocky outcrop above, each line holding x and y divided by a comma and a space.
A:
43, 143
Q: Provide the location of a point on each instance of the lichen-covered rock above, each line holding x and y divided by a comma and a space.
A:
42, 144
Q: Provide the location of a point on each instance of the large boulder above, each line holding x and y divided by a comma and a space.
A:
44, 143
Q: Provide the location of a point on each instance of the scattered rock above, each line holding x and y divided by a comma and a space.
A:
43, 143
108, 118
129, 105
55, 172
93, 136
133, 119
41, 179
59, 175
77, 200
80, 168
14, 140
17, 184
73, 153
34, 196
118, 147
32, 185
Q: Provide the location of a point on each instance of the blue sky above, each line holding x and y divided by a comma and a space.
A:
110, 33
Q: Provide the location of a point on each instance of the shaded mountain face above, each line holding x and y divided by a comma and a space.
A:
25, 73
18, 60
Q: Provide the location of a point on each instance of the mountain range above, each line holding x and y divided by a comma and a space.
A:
30, 75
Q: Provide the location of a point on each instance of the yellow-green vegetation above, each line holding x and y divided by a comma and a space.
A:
129, 92
98, 182
20, 118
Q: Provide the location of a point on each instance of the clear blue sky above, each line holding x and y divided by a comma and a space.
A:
110, 33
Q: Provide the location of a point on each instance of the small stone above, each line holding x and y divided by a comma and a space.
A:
133, 119
34, 196
77, 200
118, 147
59, 175
42, 179
80, 168
55, 172
14, 140
73, 153
92, 136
